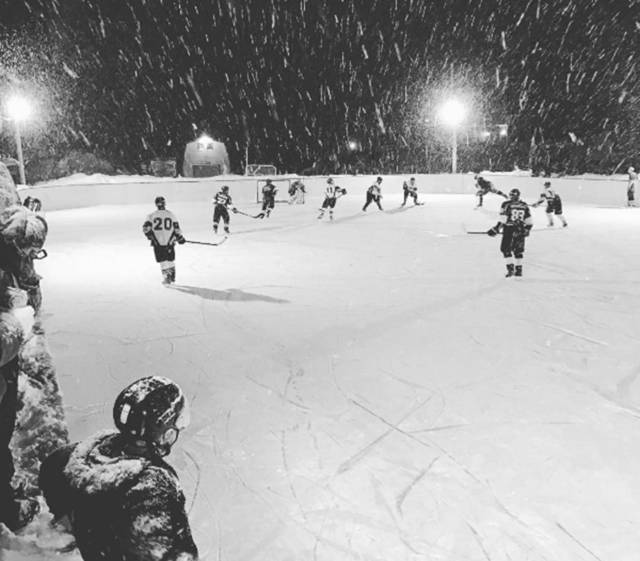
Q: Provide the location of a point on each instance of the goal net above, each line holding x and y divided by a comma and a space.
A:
260, 169
282, 185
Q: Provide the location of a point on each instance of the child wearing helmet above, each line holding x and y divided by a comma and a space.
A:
374, 194
631, 186
114, 489
221, 204
331, 194
269, 191
161, 228
484, 186
554, 204
410, 190
515, 223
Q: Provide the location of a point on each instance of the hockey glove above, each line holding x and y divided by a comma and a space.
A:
180, 239
344, 191
527, 230
234, 210
492, 232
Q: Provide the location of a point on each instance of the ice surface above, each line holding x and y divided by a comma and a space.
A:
372, 388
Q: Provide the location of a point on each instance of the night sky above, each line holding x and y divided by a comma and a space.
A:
295, 80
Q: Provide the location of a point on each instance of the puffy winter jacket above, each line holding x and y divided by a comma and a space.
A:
121, 507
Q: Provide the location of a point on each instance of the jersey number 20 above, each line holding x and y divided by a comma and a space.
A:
158, 223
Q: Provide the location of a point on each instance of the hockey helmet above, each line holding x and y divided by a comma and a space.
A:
225, 189
330, 181
161, 203
631, 169
379, 179
547, 183
514, 194
152, 409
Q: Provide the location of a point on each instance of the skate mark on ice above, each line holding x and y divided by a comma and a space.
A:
287, 471
426, 444
403, 495
478, 539
577, 335
577, 541
279, 394
381, 500
353, 460
623, 387
229, 295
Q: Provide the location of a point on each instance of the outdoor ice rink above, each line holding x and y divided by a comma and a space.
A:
372, 388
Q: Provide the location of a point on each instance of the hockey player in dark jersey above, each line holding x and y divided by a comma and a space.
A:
554, 204
410, 189
161, 228
483, 186
115, 491
515, 223
331, 194
374, 194
269, 191
631, 186
221, 205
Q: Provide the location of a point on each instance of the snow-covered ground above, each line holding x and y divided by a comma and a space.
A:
372, 388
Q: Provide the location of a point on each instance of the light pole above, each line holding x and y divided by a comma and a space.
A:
19, 109
452, 113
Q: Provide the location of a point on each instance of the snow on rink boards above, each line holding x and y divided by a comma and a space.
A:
372, 388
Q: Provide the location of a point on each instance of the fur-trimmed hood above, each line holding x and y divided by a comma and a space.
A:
98, 465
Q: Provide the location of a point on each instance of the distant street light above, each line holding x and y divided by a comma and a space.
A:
19, 109
452, 113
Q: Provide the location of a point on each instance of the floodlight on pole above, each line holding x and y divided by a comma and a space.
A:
452, 113
19, 109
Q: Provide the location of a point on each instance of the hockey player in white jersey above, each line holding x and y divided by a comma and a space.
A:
331, 194
163, 231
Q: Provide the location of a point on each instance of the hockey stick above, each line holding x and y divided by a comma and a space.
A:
484, 232
208, 243
260, 215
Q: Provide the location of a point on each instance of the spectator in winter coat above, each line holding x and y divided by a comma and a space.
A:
120, 498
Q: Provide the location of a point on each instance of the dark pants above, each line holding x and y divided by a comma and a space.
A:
372, 199
8, 411
329, 202
268, 203
411, 194
512, 242
164, 253
220, 212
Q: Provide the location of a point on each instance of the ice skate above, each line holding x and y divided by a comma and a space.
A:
518, 270
510, 270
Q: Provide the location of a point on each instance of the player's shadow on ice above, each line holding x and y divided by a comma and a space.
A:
230, 295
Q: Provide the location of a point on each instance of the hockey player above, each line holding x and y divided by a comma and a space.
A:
374, 194
410, 189
163, 231
296, 192
115, 490
631, 186
269, 191
515, 223
221, 205
483, 186
554, 204
331, 194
